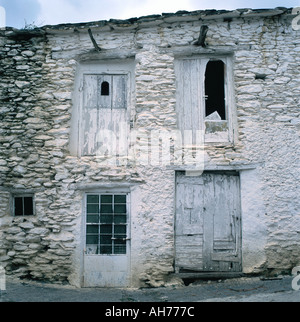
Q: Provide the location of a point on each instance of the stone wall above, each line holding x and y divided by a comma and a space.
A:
33, 140
38, 71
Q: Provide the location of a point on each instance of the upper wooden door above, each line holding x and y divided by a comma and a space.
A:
104, 115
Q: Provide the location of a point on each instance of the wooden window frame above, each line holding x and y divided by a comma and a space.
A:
23, 196
199, 120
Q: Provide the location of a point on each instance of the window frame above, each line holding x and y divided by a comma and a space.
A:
126, 224
23, 196
230, 106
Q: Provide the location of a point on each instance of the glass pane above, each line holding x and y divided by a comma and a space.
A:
106, 229
120, 249
120, 219
92, 209
120, 198
92, 229
91, 249
28, 206
120, 242
92, 239
18, 206
120, 229
92, 199
106, 199
92, 219
107, 219
106, 250
105, 240
106, 209
120, 209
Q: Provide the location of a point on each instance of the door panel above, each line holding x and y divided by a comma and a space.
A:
188, 252
212, 241
190, 208
105, 271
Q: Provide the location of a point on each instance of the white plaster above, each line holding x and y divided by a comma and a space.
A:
254, 229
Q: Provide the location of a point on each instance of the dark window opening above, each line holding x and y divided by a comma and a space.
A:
23, 206
105, 89
215, 89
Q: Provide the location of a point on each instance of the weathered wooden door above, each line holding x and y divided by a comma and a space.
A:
107, 242
104, 115
208, 223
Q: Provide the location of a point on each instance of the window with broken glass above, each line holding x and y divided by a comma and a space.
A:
205, 100
215, 90
106, 224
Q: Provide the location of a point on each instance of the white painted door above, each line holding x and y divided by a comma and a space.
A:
107, 243
208, 223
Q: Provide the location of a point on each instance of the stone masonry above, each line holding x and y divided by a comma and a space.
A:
38, 70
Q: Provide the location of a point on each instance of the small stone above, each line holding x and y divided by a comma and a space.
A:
39, 231
26, 225
19, 169
28, 53
13, 52
22, 84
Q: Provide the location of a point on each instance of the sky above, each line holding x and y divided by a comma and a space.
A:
22, 13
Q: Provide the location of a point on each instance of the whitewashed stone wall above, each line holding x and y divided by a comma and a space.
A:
38, 71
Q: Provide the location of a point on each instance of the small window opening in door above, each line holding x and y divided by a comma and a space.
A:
105, 89
215, 90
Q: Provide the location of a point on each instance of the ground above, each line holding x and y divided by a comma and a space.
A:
245, 289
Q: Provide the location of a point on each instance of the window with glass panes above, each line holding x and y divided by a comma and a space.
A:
106, 224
